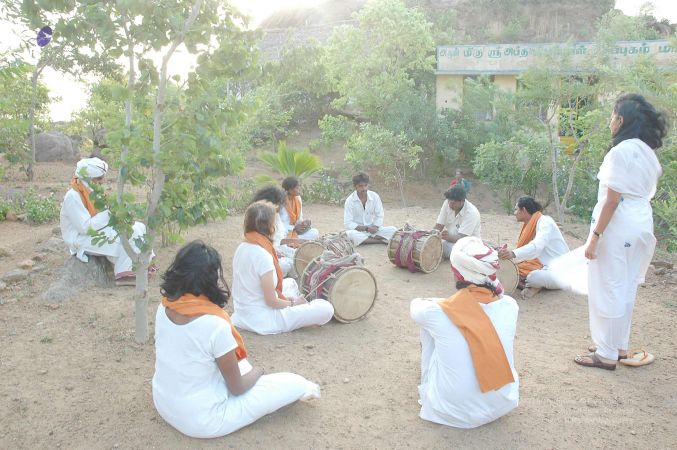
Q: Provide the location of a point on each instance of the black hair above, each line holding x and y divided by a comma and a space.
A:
196, 270
272, 194
464, 284
640, 120
360, 178
290, 183
456, 193
529, 204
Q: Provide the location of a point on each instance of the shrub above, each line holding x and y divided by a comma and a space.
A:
326, 189
4, 209
40, 209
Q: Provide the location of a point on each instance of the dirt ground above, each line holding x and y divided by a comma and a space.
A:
72, 376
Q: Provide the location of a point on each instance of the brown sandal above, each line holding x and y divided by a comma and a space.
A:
593, 349
595, 362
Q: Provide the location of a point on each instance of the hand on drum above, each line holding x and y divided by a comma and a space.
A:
372, 229
504, 253
444, 235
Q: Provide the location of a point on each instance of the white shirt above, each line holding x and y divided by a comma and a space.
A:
450, 393
354, 213
466, 222
547, 245
189, 391
284, 215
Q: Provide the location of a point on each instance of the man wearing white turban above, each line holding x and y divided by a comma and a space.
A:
79, 215
468, 376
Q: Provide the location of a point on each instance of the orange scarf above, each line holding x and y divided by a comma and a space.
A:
192, 306
257, 238
294, 210
488, 357
84, 195
527, 235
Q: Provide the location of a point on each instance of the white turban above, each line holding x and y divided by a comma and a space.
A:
475, 262
91, 168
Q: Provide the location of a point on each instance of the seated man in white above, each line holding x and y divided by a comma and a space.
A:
78, 216
291, 212
285, 247
468, 377
363, 215
458, 218
539, 243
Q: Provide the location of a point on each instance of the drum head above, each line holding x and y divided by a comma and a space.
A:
431, 254
508, 275
352, 293
306, 253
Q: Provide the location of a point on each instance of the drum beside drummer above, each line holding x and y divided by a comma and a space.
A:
539, 243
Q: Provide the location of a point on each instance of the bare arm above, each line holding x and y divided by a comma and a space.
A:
237, 384
613, 198
270, 294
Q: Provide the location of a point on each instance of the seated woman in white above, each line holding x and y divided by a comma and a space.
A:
284, 246
291, 212
263, 302
468, 377
79, 215
203, 385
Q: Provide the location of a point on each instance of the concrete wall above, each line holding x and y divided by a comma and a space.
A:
449, 91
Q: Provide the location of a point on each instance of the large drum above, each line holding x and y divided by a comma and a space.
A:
349, 287
415, 250
508, 275
306, 252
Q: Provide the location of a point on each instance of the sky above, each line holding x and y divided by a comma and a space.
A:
73, 94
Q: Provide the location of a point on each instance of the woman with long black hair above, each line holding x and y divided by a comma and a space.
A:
621, 241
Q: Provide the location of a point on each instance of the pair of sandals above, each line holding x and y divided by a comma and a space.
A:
634, 358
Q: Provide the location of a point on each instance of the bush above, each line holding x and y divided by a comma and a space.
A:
325, 190
40, 209
4, 209
665, 211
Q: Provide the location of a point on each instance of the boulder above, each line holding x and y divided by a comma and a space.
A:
14, 276
76, 275
54, 146
52, 245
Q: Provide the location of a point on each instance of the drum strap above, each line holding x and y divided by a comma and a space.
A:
406, 247
324, 271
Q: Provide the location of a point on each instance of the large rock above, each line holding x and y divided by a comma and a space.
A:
55, 146
76, 275
14, 276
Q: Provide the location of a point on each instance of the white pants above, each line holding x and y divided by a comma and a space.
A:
543, 278
310, 235
270, 393
358, 237
446, 249
114, 251
611, 334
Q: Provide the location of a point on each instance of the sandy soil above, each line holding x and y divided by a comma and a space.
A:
72, 376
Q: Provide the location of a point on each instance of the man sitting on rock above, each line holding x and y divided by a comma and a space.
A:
79, 215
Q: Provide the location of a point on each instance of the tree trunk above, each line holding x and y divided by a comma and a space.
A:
553, 164
31, 119
141, 298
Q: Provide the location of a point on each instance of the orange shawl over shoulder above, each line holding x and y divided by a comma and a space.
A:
294, 211
488, 357
257, 238
191, 306
527, 235
84, 195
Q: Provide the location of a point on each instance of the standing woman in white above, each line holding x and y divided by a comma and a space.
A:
263, 301
621, 241
203, 385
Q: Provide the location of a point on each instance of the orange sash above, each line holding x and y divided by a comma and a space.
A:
191, 306
294, 210
84, 195
257, 238
488, 357
527, 235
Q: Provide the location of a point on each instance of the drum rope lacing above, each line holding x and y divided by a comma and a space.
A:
325, 269
405, 249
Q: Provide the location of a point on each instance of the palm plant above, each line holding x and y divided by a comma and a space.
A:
290, 162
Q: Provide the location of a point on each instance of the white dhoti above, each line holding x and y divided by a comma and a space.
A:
544, 278
358, 237
310, 234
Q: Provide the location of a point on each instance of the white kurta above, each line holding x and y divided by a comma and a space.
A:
547, 245
309, 235
369, 214
449, 392
467, 222
251, 312
189, 391
75, 221
626, 247
285, 254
